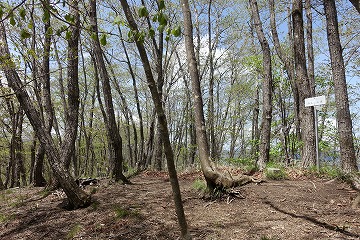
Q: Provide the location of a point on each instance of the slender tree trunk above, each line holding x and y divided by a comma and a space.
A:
213, 177
264, 147
288, 60
73, 92
32, 159
16, 150
141, 158
211, 114
163, 123
77, 197
309, 47
343, 117
255, 133
2, 186
112, 128
128, 116
20, 167
304, 86
47, 114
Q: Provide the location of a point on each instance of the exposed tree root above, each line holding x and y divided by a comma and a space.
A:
220, 184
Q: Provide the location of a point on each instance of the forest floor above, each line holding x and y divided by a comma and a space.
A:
302, 207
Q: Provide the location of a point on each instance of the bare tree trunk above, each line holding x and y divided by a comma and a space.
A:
2, 186
16, 165
343, 117
304, 86
77, 197
264, 147
288, 61
309, 47
19, 158
213, 177
112, 128
73, 93
128, 117
211, 113
141, 158
47, 114
163, 123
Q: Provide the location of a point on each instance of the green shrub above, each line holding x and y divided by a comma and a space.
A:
330, 171
247, 164
199, 185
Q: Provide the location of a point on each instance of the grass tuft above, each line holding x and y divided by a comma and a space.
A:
121, 212
73, 231
199, 185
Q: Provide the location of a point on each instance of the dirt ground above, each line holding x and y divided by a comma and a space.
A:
301, 208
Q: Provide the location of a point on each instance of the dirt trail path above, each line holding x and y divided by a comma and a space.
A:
301, 209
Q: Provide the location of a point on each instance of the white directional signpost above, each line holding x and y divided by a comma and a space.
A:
316, 102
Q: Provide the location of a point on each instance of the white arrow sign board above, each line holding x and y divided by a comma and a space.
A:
315, 101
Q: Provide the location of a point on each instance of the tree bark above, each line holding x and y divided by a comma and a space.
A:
77, 198
309, 46
303, 83
287, 58
47, 114
265, 131
112, 128
255, 133
343, 117
214, 178
163, 124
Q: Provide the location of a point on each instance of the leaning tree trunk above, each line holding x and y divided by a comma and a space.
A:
343, 117
77, 197
162, 122
356, 4
304, 87
264, 147
213, 177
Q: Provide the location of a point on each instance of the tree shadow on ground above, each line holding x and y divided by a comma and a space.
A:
315, 221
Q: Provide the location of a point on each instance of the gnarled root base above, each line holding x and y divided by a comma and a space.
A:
219, 182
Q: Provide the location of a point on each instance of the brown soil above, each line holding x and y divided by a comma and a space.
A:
304, 208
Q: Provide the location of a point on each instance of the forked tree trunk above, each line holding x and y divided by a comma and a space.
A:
213, 177
77, 197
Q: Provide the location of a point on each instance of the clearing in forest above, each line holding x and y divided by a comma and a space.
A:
301, 208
